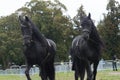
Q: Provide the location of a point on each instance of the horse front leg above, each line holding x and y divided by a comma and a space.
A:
95, 65
76, 75
89, 71
77, 71
27, 72
82, 73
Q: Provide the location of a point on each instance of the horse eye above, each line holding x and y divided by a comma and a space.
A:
82, 24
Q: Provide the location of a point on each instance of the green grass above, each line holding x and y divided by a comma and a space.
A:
108, 75
102, 75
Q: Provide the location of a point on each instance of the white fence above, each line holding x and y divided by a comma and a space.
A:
59, 67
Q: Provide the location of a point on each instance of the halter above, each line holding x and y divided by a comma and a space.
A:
26, 36
86, 30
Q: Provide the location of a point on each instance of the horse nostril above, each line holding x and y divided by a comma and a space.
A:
86, 36
28, 41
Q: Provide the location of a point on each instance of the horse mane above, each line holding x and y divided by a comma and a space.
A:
95, 36
38, 35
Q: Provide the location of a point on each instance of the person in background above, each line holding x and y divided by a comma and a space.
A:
114, 62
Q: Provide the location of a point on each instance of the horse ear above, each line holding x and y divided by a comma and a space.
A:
89, 16
26, 18
20, 19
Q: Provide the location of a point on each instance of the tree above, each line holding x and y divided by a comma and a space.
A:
10, 41
108, 27
80, 14
49, 18
76, 19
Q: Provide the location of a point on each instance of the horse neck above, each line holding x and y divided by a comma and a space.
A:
94, 36
37, 36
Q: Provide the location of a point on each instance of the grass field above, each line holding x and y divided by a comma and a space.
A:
102, 75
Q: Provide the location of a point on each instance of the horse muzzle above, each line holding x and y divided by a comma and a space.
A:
86, 34
27, 42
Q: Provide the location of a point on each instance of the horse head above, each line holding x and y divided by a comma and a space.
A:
26, 28
86, 25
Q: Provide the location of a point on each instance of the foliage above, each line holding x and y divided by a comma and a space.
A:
108, 28
10, 41
76, 19
48, 17
80, 14
52, 23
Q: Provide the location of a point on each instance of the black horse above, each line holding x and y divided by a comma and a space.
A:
86, 50
37, 50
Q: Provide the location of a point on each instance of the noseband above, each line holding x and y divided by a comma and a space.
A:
86, 30
26, 36
29, 37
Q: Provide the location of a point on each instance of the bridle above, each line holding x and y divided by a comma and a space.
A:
86, 30
26, 36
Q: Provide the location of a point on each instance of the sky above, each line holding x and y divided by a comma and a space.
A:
95, 7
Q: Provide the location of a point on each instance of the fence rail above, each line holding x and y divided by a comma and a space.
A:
59, 67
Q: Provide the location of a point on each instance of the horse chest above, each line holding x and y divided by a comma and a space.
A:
35, 53
93, 52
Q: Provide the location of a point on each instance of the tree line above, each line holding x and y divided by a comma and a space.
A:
50, 19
